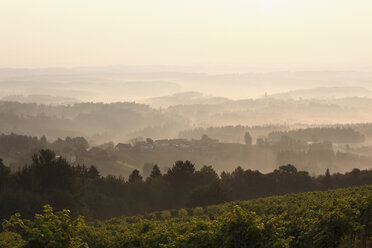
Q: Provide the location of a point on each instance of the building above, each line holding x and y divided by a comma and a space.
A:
122, 147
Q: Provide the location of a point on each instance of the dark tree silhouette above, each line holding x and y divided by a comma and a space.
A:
248, 138
155, 172
93, 173
51, 180
327, 180
135, 177
4, 173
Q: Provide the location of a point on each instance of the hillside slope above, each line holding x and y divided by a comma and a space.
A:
338, 218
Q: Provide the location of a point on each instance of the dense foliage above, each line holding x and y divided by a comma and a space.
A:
47, 231
51, 180
316, 219
333, 134
339, 218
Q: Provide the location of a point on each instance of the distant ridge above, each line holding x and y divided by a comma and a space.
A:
40, 99
184, 98
324, 92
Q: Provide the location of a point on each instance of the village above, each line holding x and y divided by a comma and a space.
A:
150, 145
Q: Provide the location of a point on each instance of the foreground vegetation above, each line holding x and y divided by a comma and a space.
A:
338, 218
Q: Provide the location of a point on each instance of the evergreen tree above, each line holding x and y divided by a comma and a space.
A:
135, 177
155, 172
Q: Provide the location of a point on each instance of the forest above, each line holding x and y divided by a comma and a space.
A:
52, 180
100, 122
256, 152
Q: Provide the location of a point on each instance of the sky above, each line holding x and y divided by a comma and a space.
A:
286, 34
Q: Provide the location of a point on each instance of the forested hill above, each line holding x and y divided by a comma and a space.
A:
122, 121
99, 122
52, 180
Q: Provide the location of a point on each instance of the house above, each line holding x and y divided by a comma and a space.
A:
147, 147
205, 141
182, 143
122, 147
162, 142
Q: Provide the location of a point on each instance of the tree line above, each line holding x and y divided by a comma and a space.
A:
343, 134
52, 180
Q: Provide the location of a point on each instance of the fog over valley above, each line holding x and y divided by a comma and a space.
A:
185, 124
135, 83
161, 116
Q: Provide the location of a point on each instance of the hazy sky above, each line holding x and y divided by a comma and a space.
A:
327, 34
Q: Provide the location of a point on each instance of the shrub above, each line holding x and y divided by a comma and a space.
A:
48, 230
166, 214
11, 240
198, 211
182, 213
